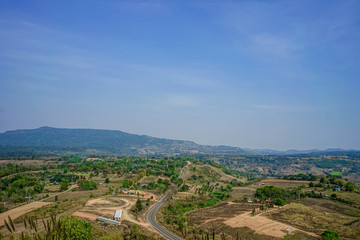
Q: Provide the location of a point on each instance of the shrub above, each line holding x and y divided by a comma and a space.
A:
279, 202
330, 235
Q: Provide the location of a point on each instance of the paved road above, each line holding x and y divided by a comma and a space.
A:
151, 217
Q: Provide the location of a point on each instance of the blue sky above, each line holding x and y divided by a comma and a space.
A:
257, 74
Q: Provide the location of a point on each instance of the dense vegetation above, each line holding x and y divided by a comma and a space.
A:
346, 164
301, 176
207, 184
58, 140
17, 187
175, 212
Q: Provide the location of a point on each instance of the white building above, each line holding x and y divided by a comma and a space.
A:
117, 215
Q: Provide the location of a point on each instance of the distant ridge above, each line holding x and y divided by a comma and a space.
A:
295, 152
107, 142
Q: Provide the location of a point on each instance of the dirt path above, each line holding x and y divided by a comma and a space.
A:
113, 176
103, 207
262, 225
17, 212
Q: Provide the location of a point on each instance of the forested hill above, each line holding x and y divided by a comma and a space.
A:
94, 141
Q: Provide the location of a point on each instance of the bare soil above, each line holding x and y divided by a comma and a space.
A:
261, 225
233, 215
17, 212
282, 183
106, 206
89, 216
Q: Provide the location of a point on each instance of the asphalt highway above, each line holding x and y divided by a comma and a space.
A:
151, 217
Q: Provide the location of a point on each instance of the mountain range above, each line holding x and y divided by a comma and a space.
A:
107, 142
45, 140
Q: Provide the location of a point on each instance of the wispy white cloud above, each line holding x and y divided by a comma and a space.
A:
182, 101
280, 108
201, 77
61, 59
274, 46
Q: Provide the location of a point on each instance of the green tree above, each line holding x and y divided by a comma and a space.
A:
181, 226
279, 202
161, 187
330, 235
350, 186
38, 188
126, 183
138, 205
78, 229
88, 185
107, 180
64, 184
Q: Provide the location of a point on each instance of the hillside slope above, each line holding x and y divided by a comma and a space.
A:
62, 140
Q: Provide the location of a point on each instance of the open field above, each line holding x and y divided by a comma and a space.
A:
262, 225
222, 211
314, 218
104, 207
282, 183
52, 188
232, 217
354, 197
239, 193
24, 162
329, 206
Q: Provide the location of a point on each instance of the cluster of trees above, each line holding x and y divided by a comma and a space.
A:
161, 185
279, 196
174, 214
87, 185
167, 166
10, 168
301, 176
276, 165
18, 189
59, 177
332, 181
236, 183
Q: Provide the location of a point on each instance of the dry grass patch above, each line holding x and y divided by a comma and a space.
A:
238, 193
208, 173
314, 220
281, 183
329, 206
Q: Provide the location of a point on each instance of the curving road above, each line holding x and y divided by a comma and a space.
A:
151, 217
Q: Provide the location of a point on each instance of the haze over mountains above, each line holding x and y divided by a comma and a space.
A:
111, 142
95, 141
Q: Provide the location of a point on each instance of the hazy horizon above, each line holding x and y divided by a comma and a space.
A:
252, 74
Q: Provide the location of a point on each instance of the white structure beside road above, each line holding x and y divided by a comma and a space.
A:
117, 215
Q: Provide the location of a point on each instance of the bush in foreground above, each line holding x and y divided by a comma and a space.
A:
330, 235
